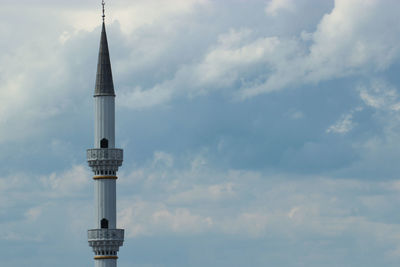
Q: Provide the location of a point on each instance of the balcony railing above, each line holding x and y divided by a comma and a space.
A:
105, 154
106, 234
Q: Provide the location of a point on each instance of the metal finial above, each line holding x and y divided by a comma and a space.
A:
104, 11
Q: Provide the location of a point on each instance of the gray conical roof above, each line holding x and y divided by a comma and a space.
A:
104, 80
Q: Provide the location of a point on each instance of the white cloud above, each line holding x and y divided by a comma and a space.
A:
32, 83
130, 14
205, 201
352, 39
163, 158
380, 95
223, 65
276, 5
12, 181
253, 204
67, 183
343, 125
289, 208
198, 194
147, 218
181, 220
135, 14
139, 98
33, 213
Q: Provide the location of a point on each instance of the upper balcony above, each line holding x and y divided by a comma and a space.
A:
106, 241
105, 156
106, 234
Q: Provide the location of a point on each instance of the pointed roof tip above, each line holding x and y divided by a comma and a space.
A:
104, 10
104, 80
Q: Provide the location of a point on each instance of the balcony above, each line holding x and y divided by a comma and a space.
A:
106, 234
105, 154
106, 242
105, 158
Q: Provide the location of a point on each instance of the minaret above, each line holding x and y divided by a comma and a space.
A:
104, 159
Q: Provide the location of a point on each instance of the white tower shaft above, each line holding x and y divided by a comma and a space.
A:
104, 121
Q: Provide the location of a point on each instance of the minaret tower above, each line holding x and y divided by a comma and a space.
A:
104, 159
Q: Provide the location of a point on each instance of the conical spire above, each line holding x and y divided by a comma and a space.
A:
104, 80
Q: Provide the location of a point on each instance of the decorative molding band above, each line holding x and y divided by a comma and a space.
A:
105, 177
105, 257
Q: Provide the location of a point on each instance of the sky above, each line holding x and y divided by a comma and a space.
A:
255, 132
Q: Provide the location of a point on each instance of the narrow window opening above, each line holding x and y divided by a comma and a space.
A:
104, 143
104, 224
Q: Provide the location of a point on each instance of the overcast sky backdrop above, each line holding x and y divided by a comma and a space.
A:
256, 132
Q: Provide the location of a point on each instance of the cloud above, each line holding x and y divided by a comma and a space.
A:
198, 194
379, 95
133, 15
229, 203
33, 213
67, 183
33, 81
276, 5
343, 125
244, 64
303, 158
347, 41
141, 99
147, 218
